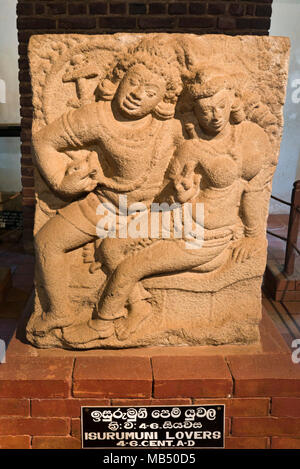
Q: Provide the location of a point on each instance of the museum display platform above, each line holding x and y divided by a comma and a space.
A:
40, 402
42, 390
165, 321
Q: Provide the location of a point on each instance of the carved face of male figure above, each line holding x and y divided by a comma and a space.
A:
213, 113
139, 92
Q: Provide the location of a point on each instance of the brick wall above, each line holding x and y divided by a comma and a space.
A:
40, 397
95, 17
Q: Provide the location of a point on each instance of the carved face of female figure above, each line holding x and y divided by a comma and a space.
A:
139, 92
213, 113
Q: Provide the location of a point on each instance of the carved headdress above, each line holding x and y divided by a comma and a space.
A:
204, 82
157, 56
247, 103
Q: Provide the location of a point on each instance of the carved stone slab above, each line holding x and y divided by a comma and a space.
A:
154, 158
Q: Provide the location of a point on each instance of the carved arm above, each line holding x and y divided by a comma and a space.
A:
67, 178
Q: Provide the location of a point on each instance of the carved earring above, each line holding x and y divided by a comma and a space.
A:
106, 89
189, 120
237, 111
164, 110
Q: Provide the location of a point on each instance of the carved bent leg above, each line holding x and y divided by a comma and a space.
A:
161, 257
138, 310
113, 252
53, 241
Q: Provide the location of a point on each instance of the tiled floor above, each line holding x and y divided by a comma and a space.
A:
285, 314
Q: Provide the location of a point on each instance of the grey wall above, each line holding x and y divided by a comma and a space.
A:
285, 21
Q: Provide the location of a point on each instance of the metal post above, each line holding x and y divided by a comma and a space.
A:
293, 230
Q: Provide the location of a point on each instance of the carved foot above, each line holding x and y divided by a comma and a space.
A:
138, 313
84, 333
43, 325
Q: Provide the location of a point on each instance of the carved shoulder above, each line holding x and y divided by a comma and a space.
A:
174, 127
187, 150
72, 130
254, 149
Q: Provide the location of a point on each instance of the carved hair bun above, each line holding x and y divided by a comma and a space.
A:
164, 110
106, 90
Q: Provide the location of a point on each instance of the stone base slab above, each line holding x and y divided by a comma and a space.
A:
189, 308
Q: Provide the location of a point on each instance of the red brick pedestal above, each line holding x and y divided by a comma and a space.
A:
281, 287
41, 391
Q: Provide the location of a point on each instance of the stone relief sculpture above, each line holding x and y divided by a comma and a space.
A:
154, 161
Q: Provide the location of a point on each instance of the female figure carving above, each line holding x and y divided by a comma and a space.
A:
226, 167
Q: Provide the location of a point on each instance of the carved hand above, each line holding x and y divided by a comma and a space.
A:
186, 183
247, 247
262, 179
80, 176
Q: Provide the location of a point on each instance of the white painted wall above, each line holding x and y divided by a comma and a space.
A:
10, 166
9, 112
285, 21
10, 154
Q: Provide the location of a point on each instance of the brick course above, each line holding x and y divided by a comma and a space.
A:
240, 407
55, 442
191, 376
255, 376
112, 377
16, 407
286, 407
63, 407
96, 17
34, 426
249, 442
265, 426
15, 442
36, 377
281, 442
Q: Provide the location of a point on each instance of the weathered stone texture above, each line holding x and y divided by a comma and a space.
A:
124, 126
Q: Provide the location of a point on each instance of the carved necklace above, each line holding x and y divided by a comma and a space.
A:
226, 142
112, 129
131, 137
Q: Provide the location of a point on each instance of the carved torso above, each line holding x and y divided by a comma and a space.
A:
126, 154
226, 165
